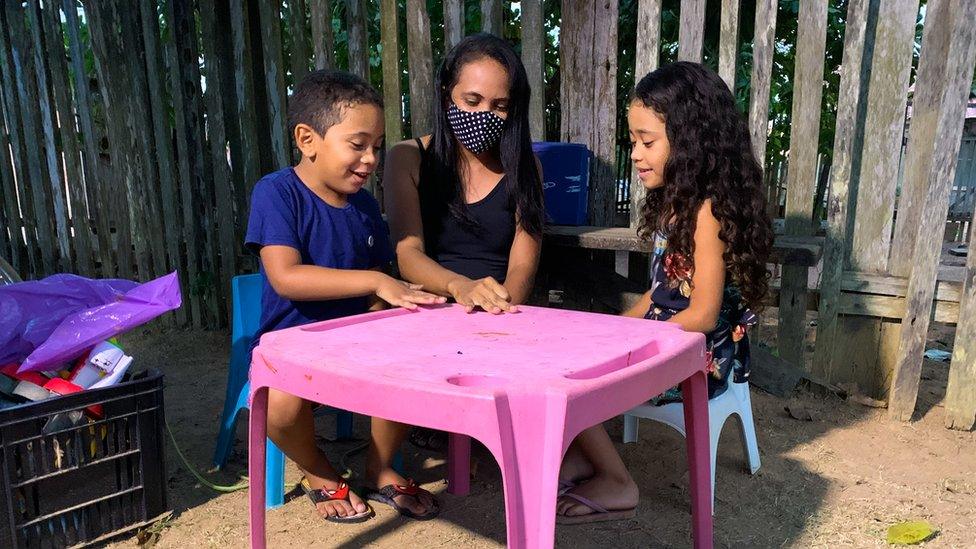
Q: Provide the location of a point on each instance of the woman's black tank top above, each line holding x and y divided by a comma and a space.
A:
476, 247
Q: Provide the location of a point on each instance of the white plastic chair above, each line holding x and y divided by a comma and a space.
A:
735, 400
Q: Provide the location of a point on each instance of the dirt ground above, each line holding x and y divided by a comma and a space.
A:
839, 480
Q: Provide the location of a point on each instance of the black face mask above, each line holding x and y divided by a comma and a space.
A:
478, 131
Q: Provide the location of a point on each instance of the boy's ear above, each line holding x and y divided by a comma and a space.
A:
305, 138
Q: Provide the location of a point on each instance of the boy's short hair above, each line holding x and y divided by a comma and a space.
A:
319, 98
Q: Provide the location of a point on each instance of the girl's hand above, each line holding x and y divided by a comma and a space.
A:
486, 293
402, 294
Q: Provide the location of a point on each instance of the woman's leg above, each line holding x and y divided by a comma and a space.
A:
387, 438
611, 485
292, 428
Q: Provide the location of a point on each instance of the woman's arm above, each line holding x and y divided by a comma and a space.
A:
523, 262
708, 278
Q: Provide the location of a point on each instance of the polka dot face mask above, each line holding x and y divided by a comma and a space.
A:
478, 131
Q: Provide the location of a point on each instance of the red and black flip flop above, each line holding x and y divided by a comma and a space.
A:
322, 495
387, 494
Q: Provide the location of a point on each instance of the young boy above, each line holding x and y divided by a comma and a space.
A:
322, 244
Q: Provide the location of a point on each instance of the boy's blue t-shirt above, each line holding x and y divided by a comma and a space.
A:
286, 212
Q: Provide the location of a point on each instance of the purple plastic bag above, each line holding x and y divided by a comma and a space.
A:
52, 321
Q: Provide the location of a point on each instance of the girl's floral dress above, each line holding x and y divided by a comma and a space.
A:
727, 346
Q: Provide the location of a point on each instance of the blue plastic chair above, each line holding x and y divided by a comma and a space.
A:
246, 294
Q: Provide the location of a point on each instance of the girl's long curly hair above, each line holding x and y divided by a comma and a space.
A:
710, 158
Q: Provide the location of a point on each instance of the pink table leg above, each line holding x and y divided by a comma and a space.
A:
458, 464
257, 437
694, 392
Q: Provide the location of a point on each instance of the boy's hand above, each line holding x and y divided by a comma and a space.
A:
402, 294
486, 293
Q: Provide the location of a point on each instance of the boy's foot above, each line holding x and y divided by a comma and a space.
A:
334, 501
403, 495
601, 495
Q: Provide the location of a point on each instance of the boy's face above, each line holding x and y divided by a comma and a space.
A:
343, 158
650, 141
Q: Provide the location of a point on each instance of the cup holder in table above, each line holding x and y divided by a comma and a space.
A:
479, 380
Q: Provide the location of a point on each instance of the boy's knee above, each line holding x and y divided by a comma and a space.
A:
283, 408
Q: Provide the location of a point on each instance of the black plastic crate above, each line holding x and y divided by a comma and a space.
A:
86, 483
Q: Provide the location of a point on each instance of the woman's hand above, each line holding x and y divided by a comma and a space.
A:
486, 293
403, 294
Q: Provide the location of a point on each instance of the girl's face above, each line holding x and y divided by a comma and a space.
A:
650, 144
482, 85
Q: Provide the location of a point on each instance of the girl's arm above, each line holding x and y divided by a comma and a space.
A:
708, 278
640, 308
406, 225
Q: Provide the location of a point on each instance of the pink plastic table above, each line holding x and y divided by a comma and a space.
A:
524, 385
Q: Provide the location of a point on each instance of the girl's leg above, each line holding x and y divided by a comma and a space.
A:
292, 428
611, 485
575, 468
387, 437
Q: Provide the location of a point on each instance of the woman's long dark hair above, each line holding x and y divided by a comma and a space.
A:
514, 148
711, 158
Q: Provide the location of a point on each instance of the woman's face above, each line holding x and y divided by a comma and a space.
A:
482, 85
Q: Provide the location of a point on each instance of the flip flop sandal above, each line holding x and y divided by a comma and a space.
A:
565, 486
387, 493
599, 514
431, 440
341, 493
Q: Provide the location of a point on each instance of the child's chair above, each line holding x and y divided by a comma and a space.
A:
246, 295
735, 400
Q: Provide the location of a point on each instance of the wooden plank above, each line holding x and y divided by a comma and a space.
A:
533, 57
691, 30
223, 183
358, 41
322, 41
921, 136
645, 60
491, 17
165, 161
789, 249
454, 21
728, 45
392, 96
421, 67
94, 180
928, 245
838, 196
947, 287
274, 68
960, 400
182, 52
52, 155
248, 159
34, 178
299, 39
802, 174
887, 92
762, 70
11, 206
61, 88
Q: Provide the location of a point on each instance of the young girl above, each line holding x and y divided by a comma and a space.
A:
706, 219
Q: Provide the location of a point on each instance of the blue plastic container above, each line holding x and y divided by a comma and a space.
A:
565, 181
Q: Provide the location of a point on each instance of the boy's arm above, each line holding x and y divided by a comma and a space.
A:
297, 282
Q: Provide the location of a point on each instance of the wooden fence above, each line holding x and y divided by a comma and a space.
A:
132, 133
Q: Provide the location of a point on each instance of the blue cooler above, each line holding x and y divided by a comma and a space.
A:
565, 181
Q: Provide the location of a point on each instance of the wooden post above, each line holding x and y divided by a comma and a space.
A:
249, 160
491, 16
960, 401
358, 42
762, 70
921, 137
322, 41
10, 204
691, 31
645, 60
299, 40
728, 46
587, 49
838, 197
421, 67
533, 57
274, 68
94, 180
454, 22
81, 241
392, 98
928, 244
802, 174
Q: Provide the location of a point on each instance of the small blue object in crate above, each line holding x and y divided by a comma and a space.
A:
565, 181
